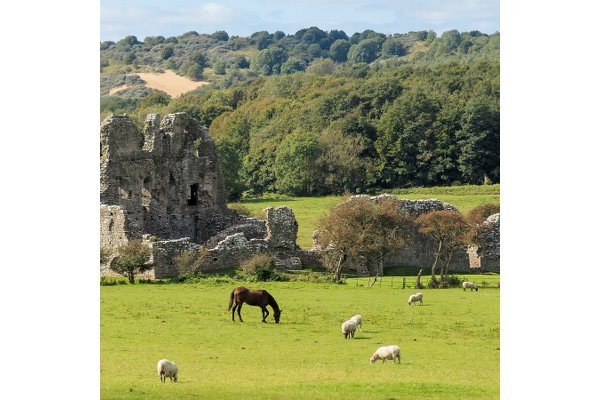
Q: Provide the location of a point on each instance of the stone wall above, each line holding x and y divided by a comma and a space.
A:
282, 228
252, 228
488, 236
164, 251
166, 179
234, 247
113, 226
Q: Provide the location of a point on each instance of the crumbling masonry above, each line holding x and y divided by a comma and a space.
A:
164, 185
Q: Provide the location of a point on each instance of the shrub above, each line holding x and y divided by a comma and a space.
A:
167, 52
105, 254
132, 259
219, 67
454, 281
110, 281
482, 212
189, 263
261, 267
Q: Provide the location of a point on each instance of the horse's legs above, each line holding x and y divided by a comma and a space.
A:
238, 310
265, 313
233, 312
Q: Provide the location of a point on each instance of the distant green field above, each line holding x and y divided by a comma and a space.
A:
308, 209
449, 346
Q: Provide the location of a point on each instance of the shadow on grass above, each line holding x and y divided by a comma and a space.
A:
275, 200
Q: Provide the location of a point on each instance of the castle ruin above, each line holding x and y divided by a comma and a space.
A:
165, 183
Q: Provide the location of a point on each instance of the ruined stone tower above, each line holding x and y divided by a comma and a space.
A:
164, 181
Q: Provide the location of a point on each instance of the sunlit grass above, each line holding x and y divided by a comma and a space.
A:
450, 345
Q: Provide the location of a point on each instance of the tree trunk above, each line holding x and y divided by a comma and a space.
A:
337, 277
418, 285
130, 276
447, 264
442, 280
437, 256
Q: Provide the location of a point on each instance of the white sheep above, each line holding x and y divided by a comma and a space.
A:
386, 353
348, 328
359, 321
413, 298
167, 369
469, 285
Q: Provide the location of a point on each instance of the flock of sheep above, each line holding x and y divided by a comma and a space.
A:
168, 369
391, 352
383, 353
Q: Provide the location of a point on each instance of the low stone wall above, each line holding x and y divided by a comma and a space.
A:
252, 228
164, 251
232, 251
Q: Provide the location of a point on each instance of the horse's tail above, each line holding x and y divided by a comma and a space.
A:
230, 300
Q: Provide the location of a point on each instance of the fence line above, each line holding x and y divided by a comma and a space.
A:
409, 282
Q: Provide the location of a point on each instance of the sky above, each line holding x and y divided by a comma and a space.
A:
141, 18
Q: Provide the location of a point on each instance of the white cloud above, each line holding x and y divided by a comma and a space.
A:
446, 13
119, 20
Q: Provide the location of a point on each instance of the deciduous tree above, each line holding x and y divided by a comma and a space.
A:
364, 51
361, 227
450, 232
339, 50
268, 61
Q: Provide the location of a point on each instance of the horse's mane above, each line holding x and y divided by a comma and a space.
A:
272, 301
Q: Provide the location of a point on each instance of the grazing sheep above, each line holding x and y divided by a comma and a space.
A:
386, 353
413, 298
167, 369
348, 328
359, 321
470, 285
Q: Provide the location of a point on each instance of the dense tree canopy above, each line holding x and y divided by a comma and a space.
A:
356, 114
269, 61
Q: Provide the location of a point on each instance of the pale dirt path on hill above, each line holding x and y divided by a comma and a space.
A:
117, 89
170, 83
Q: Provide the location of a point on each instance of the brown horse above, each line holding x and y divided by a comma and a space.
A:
260, 298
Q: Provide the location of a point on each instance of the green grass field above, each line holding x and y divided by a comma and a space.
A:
450, 345
308, 210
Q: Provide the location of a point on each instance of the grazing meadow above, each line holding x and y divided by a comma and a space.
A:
450, 346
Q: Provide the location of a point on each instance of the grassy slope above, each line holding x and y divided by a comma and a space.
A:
308, 209
450, 346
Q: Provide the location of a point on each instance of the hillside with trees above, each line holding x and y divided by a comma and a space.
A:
326, 113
